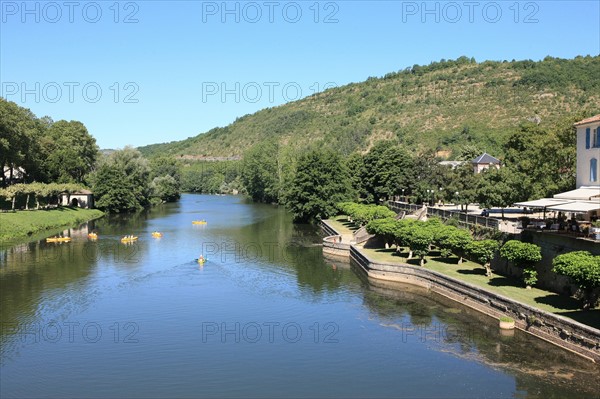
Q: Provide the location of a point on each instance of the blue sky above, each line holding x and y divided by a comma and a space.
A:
143, 72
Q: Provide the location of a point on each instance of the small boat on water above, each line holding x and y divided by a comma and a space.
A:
199, 222
127, 239
93, 236
201, 260
156, 234
58, 239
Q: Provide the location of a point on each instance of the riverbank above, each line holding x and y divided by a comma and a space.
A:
556, 321
21, 224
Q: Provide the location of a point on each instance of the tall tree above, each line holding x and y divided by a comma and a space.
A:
122, 181
260, 172
70, 151
320, 182
500, 188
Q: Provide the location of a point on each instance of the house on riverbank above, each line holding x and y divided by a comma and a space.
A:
78, 199
583, 202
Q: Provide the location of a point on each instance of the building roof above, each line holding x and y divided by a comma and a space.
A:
582, 193
577, 206
595, 118
486, 159
79, 192
542, 203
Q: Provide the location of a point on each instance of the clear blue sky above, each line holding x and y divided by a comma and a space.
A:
180, 68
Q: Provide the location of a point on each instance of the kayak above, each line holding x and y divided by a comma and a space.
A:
58, 239
199, 222
156, 234
129, 239
93, 236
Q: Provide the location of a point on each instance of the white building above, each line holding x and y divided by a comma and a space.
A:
584, 201
485, 161
588, 152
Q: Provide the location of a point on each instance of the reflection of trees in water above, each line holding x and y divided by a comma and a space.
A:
540, 369
37, 269
275, 241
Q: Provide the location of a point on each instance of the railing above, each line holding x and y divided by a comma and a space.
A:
464, 218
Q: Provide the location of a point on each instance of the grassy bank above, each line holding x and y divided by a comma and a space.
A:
474, 273
21, 224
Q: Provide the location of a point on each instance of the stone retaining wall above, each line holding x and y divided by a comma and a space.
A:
576, 337
566, 333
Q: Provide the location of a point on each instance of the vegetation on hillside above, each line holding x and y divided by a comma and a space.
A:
443, 106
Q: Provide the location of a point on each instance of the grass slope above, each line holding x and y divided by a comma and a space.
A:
440, 107
474, 273
25, 223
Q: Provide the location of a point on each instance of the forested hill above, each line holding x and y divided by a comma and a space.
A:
442, 106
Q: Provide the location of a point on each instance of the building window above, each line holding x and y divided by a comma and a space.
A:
593, 170
587, 138
596, 137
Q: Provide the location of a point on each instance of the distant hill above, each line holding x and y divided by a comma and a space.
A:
442, 107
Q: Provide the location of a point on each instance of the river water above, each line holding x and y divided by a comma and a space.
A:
266, 316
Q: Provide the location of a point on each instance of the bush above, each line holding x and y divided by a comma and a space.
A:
583, 269
525, 256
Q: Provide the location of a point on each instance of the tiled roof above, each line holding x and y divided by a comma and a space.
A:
595, 118
485, 158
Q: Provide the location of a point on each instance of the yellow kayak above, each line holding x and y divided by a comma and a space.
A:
156, 234
58, 239
129, 239
199, 222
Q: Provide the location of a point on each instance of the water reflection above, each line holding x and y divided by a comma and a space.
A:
260, 268
540, 370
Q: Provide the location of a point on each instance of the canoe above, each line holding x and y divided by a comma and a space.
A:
156, 234
58, 239
199, 222
129, 239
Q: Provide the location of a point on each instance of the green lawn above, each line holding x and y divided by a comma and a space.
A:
20, 224
510, 287
474, 273
341, 224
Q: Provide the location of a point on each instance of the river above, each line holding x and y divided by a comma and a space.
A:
266, 316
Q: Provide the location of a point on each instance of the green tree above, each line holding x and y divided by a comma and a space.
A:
523, 255
499, 188
112, 190
260, 172
419, 237
320, 182
483, 251
452, 240
386, 169
165, 188
70, 152
121, 183
384, 228
19, 142
583, 269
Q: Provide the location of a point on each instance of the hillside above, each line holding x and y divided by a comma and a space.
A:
441, 106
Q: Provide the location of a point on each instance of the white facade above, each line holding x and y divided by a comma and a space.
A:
588, 152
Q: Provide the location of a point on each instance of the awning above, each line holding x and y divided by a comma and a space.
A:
582, 193
577, 206
542, 203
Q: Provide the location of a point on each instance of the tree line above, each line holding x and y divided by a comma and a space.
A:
41, 158
310, 181
422, 237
